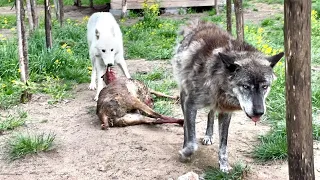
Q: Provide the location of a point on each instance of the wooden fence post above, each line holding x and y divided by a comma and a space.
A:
239, 19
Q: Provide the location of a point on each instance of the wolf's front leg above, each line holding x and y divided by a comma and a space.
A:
123, 66
100, 72
224, 122
92, 85
190, 142
208, 138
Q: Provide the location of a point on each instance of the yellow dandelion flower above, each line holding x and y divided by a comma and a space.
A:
86, 18
13, 29
122, 20
56, 61
13, 81
90, 68
3, 39
52, 6
19, 70
3, 86
153, 33
5, 21
268, 50
160, 25
69, 51
64, 46
260, 30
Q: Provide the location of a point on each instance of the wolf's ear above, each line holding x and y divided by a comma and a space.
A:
228, 61
275, 59
97, 34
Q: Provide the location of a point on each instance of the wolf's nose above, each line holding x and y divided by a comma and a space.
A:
109, 65
258, 112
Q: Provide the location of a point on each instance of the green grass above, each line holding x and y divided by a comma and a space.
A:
159, 80
10, 122
7, 21
238, 172
23, 144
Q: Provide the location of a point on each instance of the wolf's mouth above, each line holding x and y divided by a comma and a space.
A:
254, 118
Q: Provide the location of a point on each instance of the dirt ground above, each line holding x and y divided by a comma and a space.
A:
84, 151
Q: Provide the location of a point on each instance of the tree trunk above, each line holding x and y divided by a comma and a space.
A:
229, 16
47, 17
124, 8
59, 10
298, 89
22, 49
34, 13
91, 3
77, 3
239, 19
31, 25
216, 7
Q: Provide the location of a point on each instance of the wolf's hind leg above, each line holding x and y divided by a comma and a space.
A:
224, 122
190, 141
208, 138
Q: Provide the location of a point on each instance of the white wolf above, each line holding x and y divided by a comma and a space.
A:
105, 47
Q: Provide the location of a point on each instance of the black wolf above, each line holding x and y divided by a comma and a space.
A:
215, 70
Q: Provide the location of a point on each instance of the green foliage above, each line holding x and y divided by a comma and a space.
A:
238, 172
7, 22
10, 122
159, 80
23, 144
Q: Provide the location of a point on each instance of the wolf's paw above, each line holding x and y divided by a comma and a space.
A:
225, 168
96, 98
207, 140
186, 152
92, 86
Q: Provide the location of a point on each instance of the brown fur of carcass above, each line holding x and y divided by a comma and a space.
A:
125, 102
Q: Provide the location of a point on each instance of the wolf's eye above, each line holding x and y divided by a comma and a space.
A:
103, 50
245, 87
265, 86
111, 50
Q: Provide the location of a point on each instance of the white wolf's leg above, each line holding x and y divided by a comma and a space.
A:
190, 141
224, 121
119, 59
123, 65
101, 69
208, 138
92, 85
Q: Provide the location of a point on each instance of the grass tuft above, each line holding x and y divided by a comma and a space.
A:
11, 122
238, 172
24, 144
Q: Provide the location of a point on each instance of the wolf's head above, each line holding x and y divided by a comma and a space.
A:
106, 46
251, 75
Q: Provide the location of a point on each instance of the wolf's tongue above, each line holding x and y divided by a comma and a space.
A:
255, 119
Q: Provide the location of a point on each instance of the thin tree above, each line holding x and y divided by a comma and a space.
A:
22, 48
59, 10
47, 17
229, 16
216, 7
124, 8
239, 19
31, 25
34, 13
298, 88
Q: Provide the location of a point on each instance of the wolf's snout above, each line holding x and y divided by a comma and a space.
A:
258, 112
109, 65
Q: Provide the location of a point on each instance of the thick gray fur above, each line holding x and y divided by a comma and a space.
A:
215, 70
